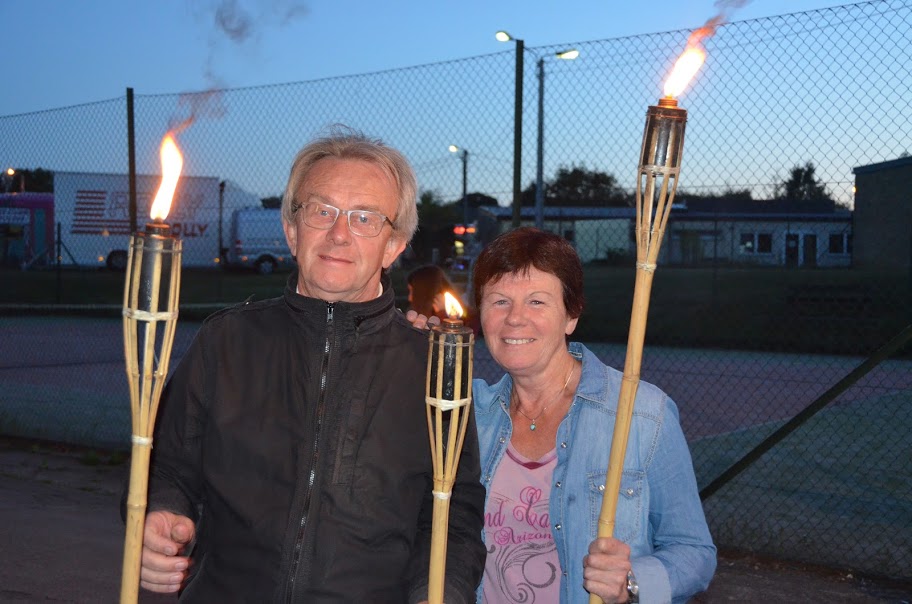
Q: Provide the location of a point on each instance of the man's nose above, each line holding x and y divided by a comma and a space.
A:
339, 233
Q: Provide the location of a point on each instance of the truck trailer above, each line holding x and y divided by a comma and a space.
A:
94, 214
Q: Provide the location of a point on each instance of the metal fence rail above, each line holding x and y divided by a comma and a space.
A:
767, 294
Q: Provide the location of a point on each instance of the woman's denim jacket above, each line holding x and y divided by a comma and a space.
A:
659, 514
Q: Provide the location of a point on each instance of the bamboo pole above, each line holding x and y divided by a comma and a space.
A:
147, 359
448, 398
660, 156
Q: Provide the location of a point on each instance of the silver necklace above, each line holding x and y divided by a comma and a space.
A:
532, 426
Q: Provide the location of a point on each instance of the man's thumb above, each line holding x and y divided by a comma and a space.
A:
182, 531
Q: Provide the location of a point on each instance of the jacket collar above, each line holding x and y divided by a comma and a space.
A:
361, 315
593, 384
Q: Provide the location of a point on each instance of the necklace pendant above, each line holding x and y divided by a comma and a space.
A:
532, 426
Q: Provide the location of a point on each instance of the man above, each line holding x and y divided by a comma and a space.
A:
291, 458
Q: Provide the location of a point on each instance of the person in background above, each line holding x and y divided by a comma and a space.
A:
426, 286
545, 435
291, 458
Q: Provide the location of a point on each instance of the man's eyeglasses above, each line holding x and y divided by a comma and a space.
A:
323, 216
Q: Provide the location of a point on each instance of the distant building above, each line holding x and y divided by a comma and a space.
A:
761, 233
743, 232
883, 215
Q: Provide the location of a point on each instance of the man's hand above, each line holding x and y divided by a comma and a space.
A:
605, 569
165, 539
420, 321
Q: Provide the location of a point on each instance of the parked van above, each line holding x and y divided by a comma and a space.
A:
258, 241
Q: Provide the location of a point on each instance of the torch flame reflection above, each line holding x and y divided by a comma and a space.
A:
453, 308
685, 68
172, 162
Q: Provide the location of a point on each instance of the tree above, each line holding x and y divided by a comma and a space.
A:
435, 227
803, 185
477, 200
579, 186
33, 181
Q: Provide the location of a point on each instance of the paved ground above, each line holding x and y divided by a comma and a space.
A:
62, 540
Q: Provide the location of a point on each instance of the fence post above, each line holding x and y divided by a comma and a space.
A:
59, 252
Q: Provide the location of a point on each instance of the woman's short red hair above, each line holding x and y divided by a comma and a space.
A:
517, 251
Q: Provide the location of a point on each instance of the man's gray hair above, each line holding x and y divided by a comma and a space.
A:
346, 143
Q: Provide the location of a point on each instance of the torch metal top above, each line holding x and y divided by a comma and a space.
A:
451, 325
158, 227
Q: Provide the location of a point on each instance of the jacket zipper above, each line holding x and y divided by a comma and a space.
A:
318, 425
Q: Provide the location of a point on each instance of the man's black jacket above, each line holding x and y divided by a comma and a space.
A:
294, 433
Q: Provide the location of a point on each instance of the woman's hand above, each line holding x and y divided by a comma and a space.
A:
420, 321
605, 569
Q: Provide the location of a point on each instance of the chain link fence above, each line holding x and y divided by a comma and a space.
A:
787, 264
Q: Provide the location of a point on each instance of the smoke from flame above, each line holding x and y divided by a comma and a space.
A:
240, 22
709, 28
234, 22
237, 22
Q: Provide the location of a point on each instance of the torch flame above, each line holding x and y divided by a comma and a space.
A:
172, 161
685, 68
453, 308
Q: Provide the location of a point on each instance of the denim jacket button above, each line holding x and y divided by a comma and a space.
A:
557, 484
601, 487
502, 439
630, 492
563, 445
557, 527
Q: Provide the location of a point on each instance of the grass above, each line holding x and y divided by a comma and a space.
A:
796, 310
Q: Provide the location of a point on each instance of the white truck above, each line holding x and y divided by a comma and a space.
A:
94, 215
258, 241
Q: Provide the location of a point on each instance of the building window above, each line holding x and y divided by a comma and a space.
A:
840, 243
756, 243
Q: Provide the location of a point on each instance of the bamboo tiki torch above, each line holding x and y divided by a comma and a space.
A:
449, 398
150, 300
657, 181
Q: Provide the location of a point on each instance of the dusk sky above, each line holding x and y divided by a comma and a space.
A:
61, 53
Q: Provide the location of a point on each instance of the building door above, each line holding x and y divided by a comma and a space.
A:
800, 249
809, 250
792, 251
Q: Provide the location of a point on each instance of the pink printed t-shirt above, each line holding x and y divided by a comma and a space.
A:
522, 563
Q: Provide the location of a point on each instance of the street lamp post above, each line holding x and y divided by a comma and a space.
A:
464, 155
567, 55
503, 36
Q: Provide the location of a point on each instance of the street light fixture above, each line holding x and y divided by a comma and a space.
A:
566, 55
464, 154
503, 36
10, 173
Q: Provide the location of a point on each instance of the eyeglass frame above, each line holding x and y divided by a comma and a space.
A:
295, 206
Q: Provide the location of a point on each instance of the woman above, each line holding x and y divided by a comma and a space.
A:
426, 285
545, 433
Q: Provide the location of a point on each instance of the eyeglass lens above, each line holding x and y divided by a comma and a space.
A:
361, 222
